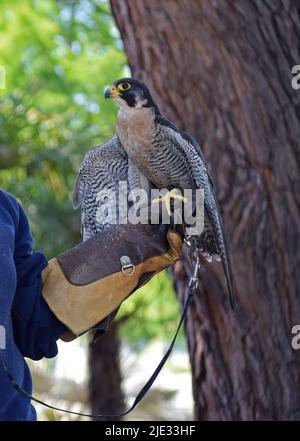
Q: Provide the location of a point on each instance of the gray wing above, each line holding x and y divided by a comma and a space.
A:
195, 158
97, 186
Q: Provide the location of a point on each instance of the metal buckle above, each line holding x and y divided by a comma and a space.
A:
128, 269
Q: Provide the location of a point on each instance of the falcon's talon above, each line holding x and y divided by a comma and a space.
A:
167, 200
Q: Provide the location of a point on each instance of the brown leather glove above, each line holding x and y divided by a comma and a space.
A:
85, 285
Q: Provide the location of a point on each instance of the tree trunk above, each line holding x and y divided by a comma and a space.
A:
222, 71
105, 392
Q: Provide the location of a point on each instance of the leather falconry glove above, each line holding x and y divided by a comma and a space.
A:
85, 286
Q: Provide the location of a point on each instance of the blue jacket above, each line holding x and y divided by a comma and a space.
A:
27, 326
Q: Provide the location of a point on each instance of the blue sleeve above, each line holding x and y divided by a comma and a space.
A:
36, 328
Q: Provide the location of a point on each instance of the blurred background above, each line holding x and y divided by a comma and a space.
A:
223, 71
59, 56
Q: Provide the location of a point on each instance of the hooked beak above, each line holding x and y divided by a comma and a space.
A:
111, 92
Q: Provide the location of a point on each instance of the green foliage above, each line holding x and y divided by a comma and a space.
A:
153, 311
58, 57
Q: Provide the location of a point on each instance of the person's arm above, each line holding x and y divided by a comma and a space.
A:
83, 287
36, 328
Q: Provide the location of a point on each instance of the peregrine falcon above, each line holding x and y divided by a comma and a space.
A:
101, 170
168, 157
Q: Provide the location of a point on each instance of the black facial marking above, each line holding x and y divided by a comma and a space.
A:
137, 91
129, 97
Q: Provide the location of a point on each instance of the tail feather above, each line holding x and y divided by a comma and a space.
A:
215, 219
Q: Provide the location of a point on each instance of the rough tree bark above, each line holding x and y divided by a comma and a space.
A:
222, 71
105, 392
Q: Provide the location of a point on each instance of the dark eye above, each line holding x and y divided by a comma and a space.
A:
124, 86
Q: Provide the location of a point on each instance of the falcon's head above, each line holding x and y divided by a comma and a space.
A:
132, 93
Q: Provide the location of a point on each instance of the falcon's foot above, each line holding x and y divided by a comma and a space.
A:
167, 200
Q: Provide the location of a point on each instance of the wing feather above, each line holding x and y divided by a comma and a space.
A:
195, 158
101, 169
78, 191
